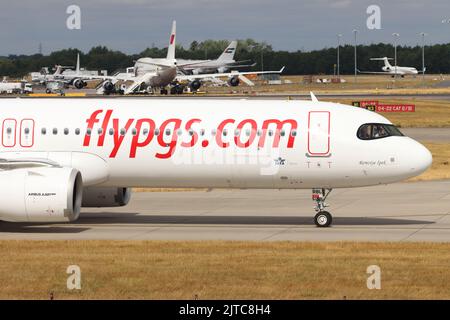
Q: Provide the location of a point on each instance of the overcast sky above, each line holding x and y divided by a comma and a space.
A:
133, 25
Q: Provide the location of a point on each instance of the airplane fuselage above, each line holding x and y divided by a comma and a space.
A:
208, 143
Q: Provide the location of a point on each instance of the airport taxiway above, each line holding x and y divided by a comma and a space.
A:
417, 211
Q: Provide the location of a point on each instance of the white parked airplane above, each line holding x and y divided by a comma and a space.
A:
59, 155
393, 70
222, 64
146, 65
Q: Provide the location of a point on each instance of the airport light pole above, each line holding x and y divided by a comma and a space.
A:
395, 35
356, 61
339, 36
423, 34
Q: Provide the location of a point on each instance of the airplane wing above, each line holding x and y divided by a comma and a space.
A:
19, 163
381, 72
227, 74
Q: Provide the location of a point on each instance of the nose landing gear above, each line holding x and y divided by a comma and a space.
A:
323, 218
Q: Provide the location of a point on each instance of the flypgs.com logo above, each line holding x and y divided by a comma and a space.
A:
229, 132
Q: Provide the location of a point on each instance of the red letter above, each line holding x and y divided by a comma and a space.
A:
118, 138
276, 139
90, 124
220, 129
194, 134
173, 140
101, 138
252, 136
135, 143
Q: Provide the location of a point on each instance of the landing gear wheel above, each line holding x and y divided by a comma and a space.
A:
323, 219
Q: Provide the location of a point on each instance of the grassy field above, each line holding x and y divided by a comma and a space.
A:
429, 113
223, 270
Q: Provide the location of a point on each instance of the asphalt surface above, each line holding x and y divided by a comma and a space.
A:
438, 135
398, 212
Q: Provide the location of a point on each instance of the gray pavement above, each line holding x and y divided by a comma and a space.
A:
398, 212
438, 135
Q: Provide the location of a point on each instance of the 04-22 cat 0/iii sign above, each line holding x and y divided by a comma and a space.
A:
378, 107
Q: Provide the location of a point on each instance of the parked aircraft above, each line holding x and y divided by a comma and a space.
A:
393, 70
186, 68
59, 155
225, 62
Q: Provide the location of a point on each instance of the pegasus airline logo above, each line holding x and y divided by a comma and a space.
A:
172, 132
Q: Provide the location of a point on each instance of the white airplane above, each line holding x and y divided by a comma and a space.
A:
60, 155
146, 65
222, 64
60, 80
157, 73
393, 70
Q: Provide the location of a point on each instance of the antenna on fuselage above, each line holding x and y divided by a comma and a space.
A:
313, 97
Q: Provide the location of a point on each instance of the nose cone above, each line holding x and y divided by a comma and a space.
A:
420, 158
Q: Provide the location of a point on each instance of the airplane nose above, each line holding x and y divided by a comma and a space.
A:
420, 158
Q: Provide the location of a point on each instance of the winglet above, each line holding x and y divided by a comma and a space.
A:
313, 97
282, 69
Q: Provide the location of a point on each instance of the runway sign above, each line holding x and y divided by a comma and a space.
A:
377, 107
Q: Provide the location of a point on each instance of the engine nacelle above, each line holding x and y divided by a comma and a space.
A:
79, 84
108, 86
42, 194
195, 85
233, 81
222, 70
98, 197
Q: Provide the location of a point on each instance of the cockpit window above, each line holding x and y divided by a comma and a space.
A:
370, 131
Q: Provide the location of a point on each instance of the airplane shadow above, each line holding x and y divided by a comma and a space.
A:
134, 218
129, 219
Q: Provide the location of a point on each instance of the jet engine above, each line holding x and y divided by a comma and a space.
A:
105, 197
233, 81
79, 84
108, 86
222, 70
40, 194
195, 85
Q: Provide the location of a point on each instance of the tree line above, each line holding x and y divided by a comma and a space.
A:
437, 58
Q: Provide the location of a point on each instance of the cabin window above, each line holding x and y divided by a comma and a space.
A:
88, 131
294, 133
145, 132
111, 131
191, 132
77, 131
371, 131
43, 131
168, 132
123, 131
100, 131
134, 131
66, 131
282, 133
8, 131
156, 132
27, 130
55, 131
202, 132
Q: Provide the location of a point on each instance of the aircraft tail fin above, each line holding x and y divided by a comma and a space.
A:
172, 41
228, 53
385, 60
78, 64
